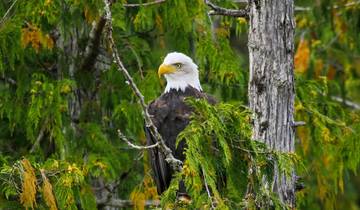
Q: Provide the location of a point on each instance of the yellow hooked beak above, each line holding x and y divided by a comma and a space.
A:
166, 69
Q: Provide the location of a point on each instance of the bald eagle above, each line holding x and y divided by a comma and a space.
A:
170, 114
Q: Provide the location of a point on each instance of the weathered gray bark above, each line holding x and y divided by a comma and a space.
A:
271, 84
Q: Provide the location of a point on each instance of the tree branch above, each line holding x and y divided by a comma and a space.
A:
298, 123
241, 1
335, 6
346, 102
7, 12
8, 80
92, 49
38, 139
216, 10
123, 137
125, 203
169, 157
213, 205
144, 4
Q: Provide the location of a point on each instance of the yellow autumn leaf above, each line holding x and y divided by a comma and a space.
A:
322, 186
48, 42
89, 15
331, 72
303, 133
144, 191
138, 198
48, 192
341, 180
340, 26
301, 22
242, 21
315, 43
298, 107
65, 89
28, 189
48, 2
186, 170
222, 32
326, 160
159, 25
319, 65
150, 190
302, 56
32, 35
325, 133
101, 165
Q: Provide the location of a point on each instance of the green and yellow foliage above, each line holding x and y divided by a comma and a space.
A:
59, 115
47, 191
28, 188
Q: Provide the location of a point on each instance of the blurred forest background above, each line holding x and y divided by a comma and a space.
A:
62, 98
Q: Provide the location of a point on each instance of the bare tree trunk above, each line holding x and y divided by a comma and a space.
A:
271, 84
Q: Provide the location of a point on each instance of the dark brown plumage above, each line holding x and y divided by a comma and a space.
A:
170, 115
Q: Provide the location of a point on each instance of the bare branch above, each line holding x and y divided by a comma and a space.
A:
346, 102
39, 138
335, 6
123, 137
298, 123
241, 1
169, 157
213, 205
8, 80
301, 9
144, 4
7, 12
216, 10
125, 203
349, 4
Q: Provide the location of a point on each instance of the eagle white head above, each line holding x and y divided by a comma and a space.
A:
180, 72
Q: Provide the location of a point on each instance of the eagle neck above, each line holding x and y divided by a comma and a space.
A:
181, 85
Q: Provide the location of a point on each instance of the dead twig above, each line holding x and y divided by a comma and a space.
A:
144, 4
39, 138
216, 10
123, 137
7, 12
8, 80
298, 123
169, 157
125, 203
335, 6
348, 103
213, 205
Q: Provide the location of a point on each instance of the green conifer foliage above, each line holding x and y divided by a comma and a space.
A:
59, 110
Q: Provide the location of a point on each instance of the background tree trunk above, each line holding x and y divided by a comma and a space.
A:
271, 84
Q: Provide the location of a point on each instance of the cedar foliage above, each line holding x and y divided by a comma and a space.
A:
59, 115
28, 189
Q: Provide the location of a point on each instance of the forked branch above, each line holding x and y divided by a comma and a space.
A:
217, 10
174, 163
123, 137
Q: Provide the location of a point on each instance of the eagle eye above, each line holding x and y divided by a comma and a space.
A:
178, 65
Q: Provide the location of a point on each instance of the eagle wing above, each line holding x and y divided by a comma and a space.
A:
161, 170
170, 114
